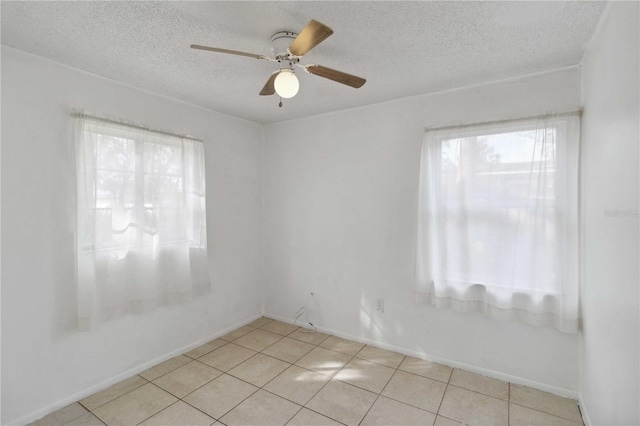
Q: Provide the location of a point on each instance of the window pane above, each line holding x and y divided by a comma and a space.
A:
498, 198
163, 159
115, 154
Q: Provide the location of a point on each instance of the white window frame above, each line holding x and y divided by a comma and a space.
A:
557, 305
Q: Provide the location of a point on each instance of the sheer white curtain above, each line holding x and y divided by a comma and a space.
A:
498, 220
141, 222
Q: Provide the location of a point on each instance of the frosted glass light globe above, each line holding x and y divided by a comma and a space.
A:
286, 84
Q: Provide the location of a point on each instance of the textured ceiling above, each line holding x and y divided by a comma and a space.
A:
401, 48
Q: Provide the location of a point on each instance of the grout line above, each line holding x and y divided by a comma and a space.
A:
295, 414
330, 378
248, 396
581, 415
324, 415
170, 371
111, 400
223, 373
449, 418
328, 381
173, 403
196, 408
283, 397
550, 414
426, 377
406, 403
209, 381
224, 342
88, 412
442, 400
479, 393
385, 385
207, 365
369, 409
508, 403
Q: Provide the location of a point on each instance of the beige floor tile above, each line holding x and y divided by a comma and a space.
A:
523, 416
415, 390
135, 406
443, 421
380, 356
289, 350
306, 417
323, 361
62, 416
338, 344
179, 414
109, 394
473, 408
184, 380
88, 419
431, 370
387, 411
226, 357
165, 367
220, 395
478, 383
206, 348
308, 336
259, 369
365, 374
260, 322
238, 332
297, 384
410, 395
261, 408
279, 327
543, 401
342, 402
257, 340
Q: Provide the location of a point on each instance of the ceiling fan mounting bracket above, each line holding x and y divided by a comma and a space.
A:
287, 61
280, 42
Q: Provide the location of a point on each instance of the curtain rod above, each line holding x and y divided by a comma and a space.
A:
79, 114
577, 112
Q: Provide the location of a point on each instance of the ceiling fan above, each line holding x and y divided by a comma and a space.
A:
287, 48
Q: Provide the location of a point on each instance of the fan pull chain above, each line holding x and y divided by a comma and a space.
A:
280, 103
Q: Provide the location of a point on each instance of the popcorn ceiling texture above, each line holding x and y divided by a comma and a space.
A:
401, 48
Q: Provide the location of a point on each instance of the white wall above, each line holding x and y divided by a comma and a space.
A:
610, 354
340, 219
340, 196
44, 358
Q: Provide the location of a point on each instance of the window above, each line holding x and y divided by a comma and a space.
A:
141, 221
497, 225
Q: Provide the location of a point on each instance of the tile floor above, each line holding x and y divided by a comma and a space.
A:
272, 373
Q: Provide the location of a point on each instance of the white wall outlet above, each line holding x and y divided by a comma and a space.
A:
380, 305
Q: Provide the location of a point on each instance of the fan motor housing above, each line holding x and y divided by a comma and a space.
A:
280, 43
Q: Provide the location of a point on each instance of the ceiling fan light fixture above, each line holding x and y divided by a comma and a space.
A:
287, 48
286, 84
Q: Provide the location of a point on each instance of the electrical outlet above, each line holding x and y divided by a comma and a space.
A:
380, 305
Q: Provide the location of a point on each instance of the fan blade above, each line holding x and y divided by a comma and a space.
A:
269, 88
311, 36
231, 52
340, 77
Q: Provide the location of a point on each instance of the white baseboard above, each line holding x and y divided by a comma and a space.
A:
124, 375
567, 393
583, 411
